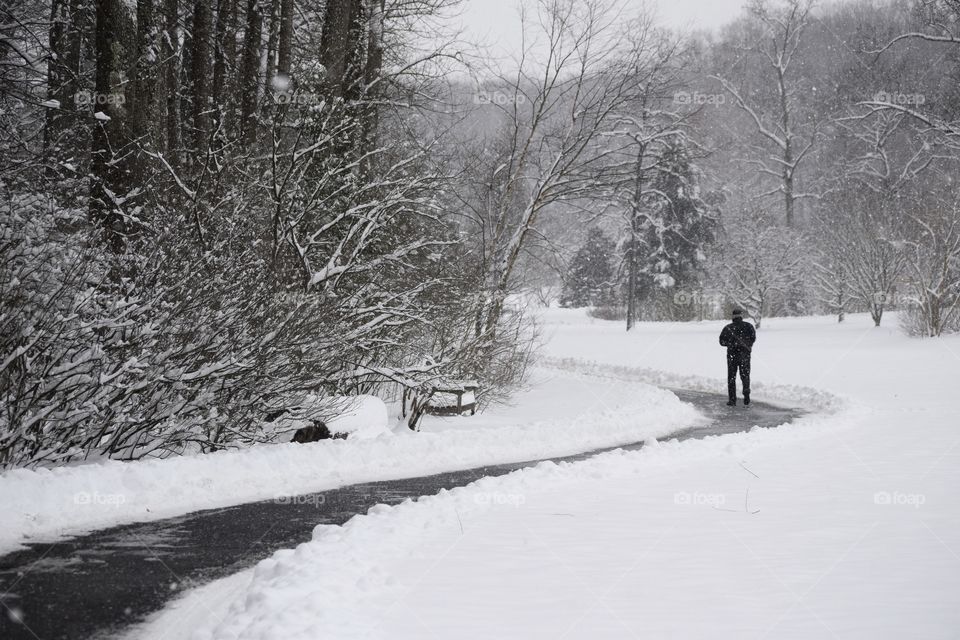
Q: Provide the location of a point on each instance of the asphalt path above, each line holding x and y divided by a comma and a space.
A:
98, 584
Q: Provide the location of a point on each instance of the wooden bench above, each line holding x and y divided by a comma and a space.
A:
453, 398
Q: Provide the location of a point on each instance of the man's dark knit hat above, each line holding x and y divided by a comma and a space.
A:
737, 313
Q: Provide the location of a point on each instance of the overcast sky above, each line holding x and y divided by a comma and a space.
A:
496, 23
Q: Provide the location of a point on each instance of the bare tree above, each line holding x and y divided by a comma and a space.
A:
887, 159
929, 239
309, 202
863, 261
763, 259
932, 258
571, 86
833, 285
939, 24
783, 23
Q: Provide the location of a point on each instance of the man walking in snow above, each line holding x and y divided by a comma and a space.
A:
738, 337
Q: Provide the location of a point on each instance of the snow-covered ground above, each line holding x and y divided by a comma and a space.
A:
844, 525
562, 413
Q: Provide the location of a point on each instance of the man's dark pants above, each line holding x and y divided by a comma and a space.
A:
738, 360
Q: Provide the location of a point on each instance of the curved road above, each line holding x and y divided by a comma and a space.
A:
96, 585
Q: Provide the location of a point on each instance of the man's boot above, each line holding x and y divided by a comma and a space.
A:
732, 402
746, 399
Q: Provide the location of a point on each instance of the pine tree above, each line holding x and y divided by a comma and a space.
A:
675, 237
590, 279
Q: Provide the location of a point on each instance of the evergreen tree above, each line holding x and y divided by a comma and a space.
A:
589, 281
675, 238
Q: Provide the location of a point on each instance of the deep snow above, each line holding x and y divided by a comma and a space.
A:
846, 524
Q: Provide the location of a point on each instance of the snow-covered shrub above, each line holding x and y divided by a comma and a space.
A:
932, 256
915, 321
204, 326
47, 341
762, 266
123, 357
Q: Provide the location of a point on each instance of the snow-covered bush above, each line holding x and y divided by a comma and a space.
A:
929, 318
203, 326
762, 265
118, 357
913, 322
932, 257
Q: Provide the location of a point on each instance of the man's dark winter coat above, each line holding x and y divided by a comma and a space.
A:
738, 337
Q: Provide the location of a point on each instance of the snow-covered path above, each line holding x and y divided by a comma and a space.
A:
110, 579
846, 525
73, 586
565, 413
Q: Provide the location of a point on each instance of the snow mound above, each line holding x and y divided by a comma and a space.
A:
363, 417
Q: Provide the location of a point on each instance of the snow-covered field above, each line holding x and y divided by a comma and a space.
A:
844, 525
563, 413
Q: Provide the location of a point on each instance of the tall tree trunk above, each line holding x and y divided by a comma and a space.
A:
340, 46
57, 76
273, 37
144, 77
788, 162
200, 74
633, 257
63, 132
174, 138
225, 64
285, 51
374, 65
249, 81
110, 156
373, 69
